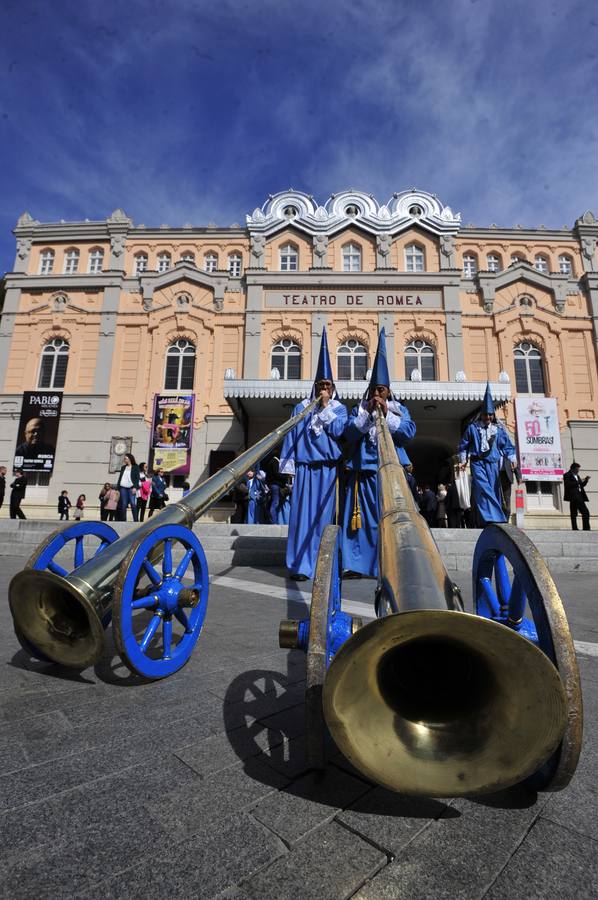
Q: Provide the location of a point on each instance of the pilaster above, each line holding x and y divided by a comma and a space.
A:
387, 321
7, 324
454, 331
106, 340
253, 332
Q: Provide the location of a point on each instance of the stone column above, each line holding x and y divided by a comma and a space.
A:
590, 282
7, 324
454, 331
387, 320
106, 341
253, 332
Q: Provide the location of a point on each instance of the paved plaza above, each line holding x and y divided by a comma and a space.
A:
197, 787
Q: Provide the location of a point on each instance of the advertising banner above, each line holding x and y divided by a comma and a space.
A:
172, 433
539, 439
38, 431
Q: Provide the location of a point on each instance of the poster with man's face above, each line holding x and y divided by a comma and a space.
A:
38, 431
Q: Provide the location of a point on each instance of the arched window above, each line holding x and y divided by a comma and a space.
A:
415, 260
286, 357
470, 265
96, 261
46, 262
541, 264
140, 263
565, 264
180, 366
420, 355
71, 262
164, 261
188, 256
493, 262
234, 265
289, 258
52, 371
516, 258
210, 262
352, 361
529, 369
351, 258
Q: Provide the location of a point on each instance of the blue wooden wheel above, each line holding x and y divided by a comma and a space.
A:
157, 615
45, 558
512, 586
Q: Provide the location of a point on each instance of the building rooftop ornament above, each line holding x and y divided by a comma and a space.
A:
416, 375
25, 219
503, 377
460, 377
119, 215
396, 215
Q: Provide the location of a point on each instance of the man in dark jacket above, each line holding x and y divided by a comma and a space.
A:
429, 505
2, 484
17, 493
576, 496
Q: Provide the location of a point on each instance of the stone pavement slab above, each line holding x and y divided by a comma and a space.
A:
197, 786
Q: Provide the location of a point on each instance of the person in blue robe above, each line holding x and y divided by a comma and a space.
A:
361, 512
485, 444
255, 486
311, 452
280, 493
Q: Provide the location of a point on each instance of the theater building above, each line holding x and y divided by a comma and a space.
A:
110, 314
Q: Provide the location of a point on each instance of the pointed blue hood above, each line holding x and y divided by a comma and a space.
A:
380, 373
488, 403
324, 368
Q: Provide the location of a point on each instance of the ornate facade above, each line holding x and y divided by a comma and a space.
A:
246, 306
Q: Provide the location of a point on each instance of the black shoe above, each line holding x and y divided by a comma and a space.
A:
350, 574
298, 577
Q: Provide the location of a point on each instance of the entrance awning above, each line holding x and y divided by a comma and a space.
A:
426, 400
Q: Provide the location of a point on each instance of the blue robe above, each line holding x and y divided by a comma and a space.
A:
280, 507
485, 468
360, 546
311, 452
256, 501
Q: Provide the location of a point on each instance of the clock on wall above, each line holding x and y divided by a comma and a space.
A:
118, 447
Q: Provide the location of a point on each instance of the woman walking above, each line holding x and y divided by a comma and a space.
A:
145, 489
112, 503
158, 496
80, 507
128, 485
103, 497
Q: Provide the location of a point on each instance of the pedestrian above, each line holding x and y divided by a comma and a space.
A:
80, 507
256, 496
441, 512
454, 513
64, 504
2, 484
360, 515
576, 496
312, 452
485, 444
145, 489
17, 493
411, 481
428, 505
240, 495
128, 485
103, 497
112, 503
508, 475
158, 496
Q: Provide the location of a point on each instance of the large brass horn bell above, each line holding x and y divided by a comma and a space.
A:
442, 703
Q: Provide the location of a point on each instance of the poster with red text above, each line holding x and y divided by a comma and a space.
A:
539, 439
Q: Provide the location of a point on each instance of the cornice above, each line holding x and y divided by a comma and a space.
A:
514, 234
318, 277
64, 283
242, 388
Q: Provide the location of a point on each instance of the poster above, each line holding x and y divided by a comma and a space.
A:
539, 439
172, 433
38, 431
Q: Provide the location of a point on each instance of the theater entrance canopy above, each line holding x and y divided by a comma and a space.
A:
261, 404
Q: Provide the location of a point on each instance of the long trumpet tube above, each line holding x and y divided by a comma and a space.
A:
65, 617
413, 575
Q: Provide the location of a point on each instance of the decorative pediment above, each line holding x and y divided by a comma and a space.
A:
356, 208
183, 272
490, 282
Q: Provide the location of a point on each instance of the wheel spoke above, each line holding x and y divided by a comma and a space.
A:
56, 569
102, 547
503, 582
152, 574
517, 601
79, 555
490, 596
150, 632
167, 638
167, 558
182, 566
182, 617
144, 602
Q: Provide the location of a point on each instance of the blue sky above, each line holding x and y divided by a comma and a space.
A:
193, 111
